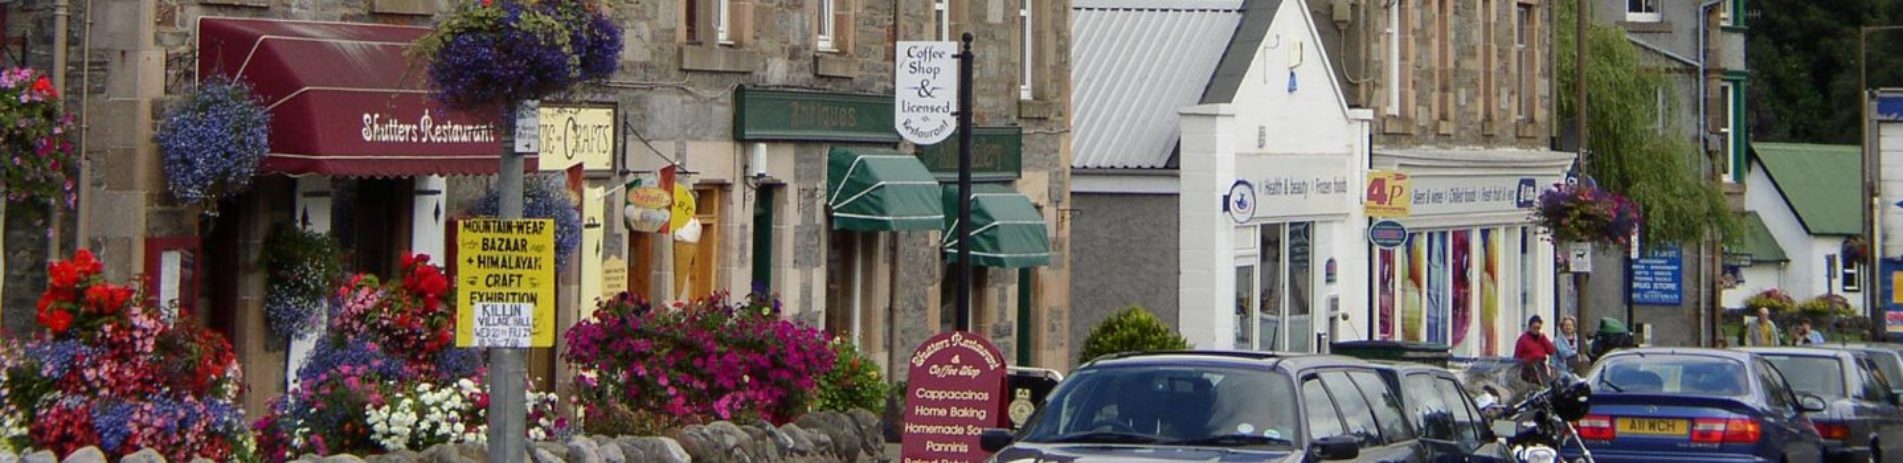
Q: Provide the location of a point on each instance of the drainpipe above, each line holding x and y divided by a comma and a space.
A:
61, 14
1707, 333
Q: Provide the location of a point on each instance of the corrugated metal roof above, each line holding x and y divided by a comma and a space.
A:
1134, 64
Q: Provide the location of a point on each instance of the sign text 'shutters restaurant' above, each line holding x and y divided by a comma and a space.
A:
997, 154
765, 115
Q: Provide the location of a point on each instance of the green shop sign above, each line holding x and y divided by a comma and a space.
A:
764, 115
997, 154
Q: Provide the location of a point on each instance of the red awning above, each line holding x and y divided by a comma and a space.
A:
346, 100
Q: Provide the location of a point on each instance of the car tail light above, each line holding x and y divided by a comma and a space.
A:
1596, 427
1832, 430
1728, 431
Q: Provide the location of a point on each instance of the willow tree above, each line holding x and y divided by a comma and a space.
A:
1628, 155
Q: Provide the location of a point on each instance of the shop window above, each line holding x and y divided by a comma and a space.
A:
1027, 38
1642, 10
697, 265
373, 222
1278, 289
849, 272
1245, 307
763, 223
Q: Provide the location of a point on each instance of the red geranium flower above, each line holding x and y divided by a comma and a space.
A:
57, 321
45, 87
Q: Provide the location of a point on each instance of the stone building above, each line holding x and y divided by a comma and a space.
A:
1462, 95
747, 101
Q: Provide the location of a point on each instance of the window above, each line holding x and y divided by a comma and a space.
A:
1523, 55
1444, 62
941, 16
1467, 422
1355, 411
1387, 407
722, 19
1730, 13
1393, 61
1728, 90
1280, 287
1025, 58
1874, 388
823, 25
1173, 403
1322, 419
1674, 375
1642, 10
1245, 307
1776, 392
1823, 376
1852, 276
1433, 418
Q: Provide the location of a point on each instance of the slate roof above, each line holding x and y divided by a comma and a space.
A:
1134, 64
1819, 182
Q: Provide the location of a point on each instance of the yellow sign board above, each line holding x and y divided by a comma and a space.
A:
574, 135
683, 207
1389, 195
505, 292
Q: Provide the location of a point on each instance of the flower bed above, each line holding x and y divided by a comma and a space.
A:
1778, 301
652, 368
112, 372
387, 376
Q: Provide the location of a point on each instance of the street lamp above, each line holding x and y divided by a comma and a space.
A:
1872, 196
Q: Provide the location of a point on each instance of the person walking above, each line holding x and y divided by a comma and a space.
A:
1533, 351
1805, 336
1569, 356
1760, 331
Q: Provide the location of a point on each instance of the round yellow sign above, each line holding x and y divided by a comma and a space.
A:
649, 198
683, 207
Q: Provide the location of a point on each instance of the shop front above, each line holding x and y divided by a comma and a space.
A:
357, 151
1473, 265
1009, 239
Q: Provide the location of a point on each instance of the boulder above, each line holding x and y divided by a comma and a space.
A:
473, 451
654, 449
202, 460
583, 450
542, 455
8, 457
43, 456
87, 454
344, 458
442, 453
762, 447
872, 437
844, 434
558, 450
144, 456
611, 452
798, 440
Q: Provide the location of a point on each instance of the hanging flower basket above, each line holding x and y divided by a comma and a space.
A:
1855, 249
212, 140
487, 55
1583, 213
302, 270
33, 133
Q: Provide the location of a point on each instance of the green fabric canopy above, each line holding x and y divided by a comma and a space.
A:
1006, 230
872, 189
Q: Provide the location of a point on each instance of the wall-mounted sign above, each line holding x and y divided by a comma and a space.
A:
767, 115
1240, 202
1388, 194
1658, 276
997, 154
1475, 194
926, 87
1579, 257
527, 127
1387, 234
1289, 185
573, 135
505, 293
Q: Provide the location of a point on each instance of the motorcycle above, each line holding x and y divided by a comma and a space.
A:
1544, 420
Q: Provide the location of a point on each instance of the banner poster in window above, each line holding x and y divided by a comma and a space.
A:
1384, 295
1462, 263
1489, 292
1892, 280
1437, 273
1411, 309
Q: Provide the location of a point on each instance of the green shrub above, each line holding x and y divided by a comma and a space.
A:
854, 382
1132, 330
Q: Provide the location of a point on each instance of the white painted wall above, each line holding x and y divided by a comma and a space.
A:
1757, 278
1205, 249
1890, 146
1804, 277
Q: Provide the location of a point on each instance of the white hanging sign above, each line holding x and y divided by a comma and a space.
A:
927, 91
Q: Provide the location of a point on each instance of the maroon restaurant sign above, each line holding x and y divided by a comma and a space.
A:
954, 392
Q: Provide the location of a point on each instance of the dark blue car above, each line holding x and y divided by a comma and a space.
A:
1862, 422
1696, 405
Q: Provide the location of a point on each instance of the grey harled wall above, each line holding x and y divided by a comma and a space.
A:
1129, 257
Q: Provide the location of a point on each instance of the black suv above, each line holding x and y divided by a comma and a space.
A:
1445, 418
1220, 406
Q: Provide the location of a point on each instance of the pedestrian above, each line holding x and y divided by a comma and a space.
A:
1533, 352
1760, 331
1804, 335
1569, 351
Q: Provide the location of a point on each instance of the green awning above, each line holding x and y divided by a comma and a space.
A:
1006, 230
1758, 242
872, 189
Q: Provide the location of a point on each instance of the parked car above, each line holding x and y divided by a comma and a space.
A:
1701, 405
1861, 421
1887, 357
1445, 417
1217, 406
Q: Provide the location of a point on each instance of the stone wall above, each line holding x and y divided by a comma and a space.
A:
820, 437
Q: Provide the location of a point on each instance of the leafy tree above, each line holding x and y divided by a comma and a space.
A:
1804, 66
1658, 170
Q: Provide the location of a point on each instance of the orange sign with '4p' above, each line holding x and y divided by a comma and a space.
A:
1389, 195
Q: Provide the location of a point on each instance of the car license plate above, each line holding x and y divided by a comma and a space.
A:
1652, 427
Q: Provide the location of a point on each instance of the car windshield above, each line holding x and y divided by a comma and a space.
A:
1809, 374
1671, 374
1182, 405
